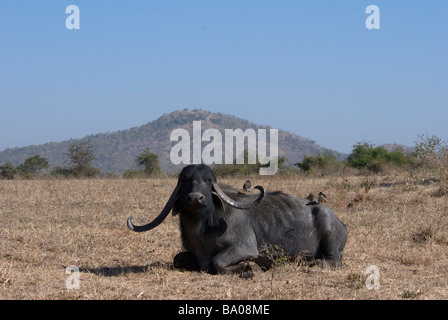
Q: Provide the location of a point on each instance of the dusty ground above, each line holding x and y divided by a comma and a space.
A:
394, 223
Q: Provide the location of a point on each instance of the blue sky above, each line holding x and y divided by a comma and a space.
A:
309, 67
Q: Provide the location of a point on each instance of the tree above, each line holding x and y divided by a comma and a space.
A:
432, 151
81, 155
150, 161
365, 155
361, 155
325, 162
7, 171
33, 165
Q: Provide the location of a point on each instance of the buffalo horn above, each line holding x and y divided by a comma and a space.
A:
236, 204
160, 217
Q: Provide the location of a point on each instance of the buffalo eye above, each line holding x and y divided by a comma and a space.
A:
208, 180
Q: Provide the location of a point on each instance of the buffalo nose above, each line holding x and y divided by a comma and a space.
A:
196, 197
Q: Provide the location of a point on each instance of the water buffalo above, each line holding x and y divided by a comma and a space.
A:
220, 229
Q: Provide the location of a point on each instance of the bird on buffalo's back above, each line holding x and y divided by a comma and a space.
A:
321, 197
311, 198
247, 186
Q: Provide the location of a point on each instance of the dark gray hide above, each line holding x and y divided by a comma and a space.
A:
221, 229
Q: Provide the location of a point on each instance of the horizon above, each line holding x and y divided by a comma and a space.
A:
311, 69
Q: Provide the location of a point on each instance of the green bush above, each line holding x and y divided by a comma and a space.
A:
134, 174
7, 171
75, 172
31, 167
365, 155
234, 169
323, 164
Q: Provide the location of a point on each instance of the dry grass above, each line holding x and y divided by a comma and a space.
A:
47, 225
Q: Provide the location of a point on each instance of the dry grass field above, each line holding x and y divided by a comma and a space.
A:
394, 223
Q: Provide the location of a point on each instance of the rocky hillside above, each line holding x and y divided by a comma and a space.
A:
116, 151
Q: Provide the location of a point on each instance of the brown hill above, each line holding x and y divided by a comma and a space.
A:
116, 151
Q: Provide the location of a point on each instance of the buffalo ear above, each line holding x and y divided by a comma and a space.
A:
217, 202
175, 211
176, 207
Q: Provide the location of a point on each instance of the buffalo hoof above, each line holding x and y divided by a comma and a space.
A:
245, 269
186, 261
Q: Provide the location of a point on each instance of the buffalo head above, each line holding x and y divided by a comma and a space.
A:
196, 193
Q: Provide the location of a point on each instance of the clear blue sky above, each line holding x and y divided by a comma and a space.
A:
309, 67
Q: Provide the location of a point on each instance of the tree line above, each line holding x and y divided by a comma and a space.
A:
80, 157
429, 152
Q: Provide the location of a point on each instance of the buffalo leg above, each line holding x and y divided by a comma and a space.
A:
333, 238
186, 261
230, 256
331, 252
